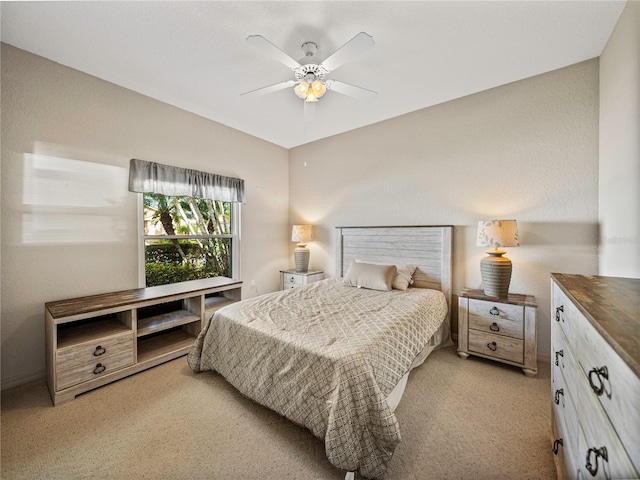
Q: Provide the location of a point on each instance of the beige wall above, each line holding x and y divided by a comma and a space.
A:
527, 150
619, 192
69, 225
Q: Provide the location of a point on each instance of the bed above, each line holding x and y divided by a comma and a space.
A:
335, 355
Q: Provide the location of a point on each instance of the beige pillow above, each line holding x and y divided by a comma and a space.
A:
403, 277
368, 275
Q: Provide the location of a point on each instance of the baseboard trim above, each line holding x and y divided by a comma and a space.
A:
20, 380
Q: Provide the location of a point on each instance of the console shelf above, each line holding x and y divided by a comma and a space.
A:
95, 340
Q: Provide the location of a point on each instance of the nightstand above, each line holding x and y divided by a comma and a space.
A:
501, 329
292, 279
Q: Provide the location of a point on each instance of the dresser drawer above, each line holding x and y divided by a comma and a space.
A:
286, 285
566, 315
564, 363
564, 448
564, 407
496, 346
85, 361
617, 389
597, 438
500, 318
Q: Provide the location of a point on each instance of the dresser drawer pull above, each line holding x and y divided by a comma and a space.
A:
492, 346
99, 369
559, 353
600, 373
494, 311
558, 316
494, 327
557, 443
598, 452
99, 351
557, 397
292, 279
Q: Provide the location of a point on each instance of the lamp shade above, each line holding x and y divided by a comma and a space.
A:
301, 234
494, 268
497, 233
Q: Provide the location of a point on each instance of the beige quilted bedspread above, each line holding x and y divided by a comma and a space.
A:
326, 356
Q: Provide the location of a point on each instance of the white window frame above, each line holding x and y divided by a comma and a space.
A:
234, 211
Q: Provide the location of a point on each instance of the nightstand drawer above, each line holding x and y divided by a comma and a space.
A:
289, 278
286, 284
292, 279
500, 318
496, 346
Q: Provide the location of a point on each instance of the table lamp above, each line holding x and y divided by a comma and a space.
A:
496, 269
301, 234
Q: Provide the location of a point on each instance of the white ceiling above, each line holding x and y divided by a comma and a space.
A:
194, 55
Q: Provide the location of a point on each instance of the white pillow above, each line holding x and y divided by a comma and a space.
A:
403, 277
368, 275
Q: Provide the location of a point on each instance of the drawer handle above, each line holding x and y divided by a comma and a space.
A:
559, 353
492, 346
494, 311
99, 369
557, 398
600, 373
99, 351
598, 452
291, 279
557, 443
494, 327
558, 316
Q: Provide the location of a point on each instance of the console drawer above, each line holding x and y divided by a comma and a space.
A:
84, 361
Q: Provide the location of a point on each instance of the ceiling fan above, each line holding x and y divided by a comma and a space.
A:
310, 83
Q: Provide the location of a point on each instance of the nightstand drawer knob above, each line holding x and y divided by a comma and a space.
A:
558, 310
493, 346
99, 351
99, 369
494, 311
291, 279
600, 373
494, 327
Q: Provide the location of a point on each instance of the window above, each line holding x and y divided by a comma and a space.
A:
187, 238
191, 222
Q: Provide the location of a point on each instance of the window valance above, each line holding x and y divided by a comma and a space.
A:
150, 177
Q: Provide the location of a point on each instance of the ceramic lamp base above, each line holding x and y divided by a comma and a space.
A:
496, 274
301, 256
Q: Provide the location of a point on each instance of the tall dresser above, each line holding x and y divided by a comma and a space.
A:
595, 376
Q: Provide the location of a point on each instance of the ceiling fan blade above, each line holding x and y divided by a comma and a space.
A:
270, 49
309, 111
270, 89
350, 90
354, 47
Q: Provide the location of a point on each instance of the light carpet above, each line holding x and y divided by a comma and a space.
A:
459, 419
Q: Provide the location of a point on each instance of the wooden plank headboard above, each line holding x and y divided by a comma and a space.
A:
428, 247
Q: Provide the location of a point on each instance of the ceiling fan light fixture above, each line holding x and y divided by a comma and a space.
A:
318, 88
302, 89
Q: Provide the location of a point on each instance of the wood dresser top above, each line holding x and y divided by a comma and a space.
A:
94, 303
612, 305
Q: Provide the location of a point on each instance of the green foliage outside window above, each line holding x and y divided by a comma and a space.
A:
198, 243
